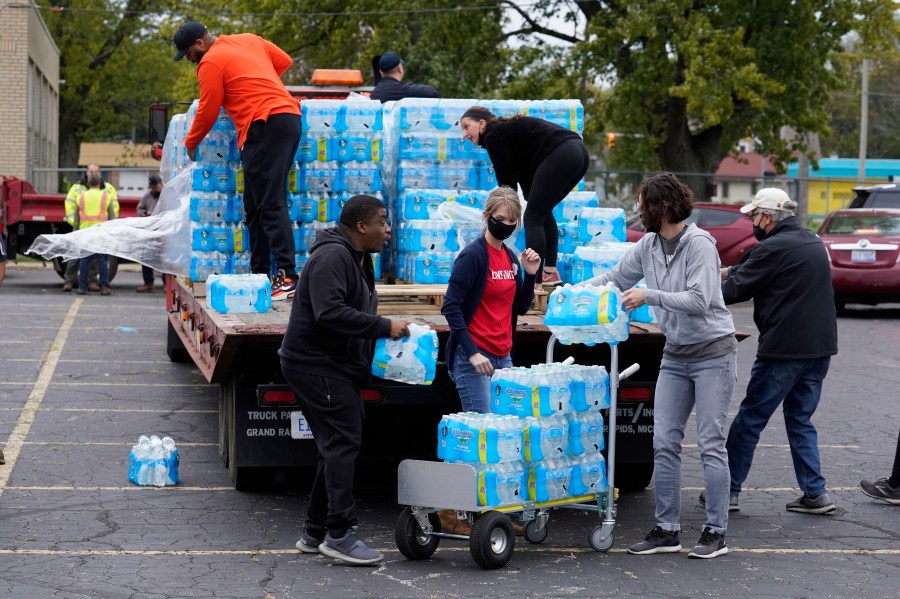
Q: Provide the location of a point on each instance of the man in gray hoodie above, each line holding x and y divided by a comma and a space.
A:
680, 265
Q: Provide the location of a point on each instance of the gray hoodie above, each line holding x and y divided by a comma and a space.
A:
687, 294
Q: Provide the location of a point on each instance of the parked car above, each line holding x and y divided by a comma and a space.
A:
732, 230
864, 248
886, 195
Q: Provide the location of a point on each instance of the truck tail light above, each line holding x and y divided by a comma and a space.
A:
276, 395
635, 393
370, 394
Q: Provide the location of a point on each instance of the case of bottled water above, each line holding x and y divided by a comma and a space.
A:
411, 360
645, 313
587, 314
501, 484
316, 146
320, 115
573, 204
585, 433
596, 225
228, 294
546, 438
204, 264
550, 480
588, 474
597, 259
480, 438
590, 388
153, 461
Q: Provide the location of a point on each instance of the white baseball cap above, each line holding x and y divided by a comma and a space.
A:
770, 198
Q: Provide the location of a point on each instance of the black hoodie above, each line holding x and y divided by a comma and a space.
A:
333, 318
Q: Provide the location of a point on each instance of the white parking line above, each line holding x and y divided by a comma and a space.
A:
33, 403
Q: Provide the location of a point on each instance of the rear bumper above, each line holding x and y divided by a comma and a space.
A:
866, 285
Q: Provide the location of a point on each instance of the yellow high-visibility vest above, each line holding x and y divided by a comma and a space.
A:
93, 205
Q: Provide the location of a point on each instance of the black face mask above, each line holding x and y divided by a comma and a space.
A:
500, 231
759, 233
155, 194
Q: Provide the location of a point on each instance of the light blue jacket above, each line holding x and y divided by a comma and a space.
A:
687, 294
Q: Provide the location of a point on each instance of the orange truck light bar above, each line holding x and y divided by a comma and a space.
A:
337, 77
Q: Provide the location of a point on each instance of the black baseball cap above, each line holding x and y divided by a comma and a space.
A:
154, 180
388, 61
186, 35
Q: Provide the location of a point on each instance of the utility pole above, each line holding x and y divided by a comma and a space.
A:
863, 121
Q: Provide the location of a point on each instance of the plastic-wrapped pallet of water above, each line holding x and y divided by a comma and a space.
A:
568, 114
153, 461
411, 360
501, 484
585, 433
545, 438
599, 225
427, 236
425, 268
229, 294
587, 314
320, 115
480, 438
597, 259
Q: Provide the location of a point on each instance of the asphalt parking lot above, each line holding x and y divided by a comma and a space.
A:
75, 394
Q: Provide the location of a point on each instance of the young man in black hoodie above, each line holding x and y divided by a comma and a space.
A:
326, 357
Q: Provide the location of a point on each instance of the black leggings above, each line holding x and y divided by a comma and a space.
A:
895, 474
555, 177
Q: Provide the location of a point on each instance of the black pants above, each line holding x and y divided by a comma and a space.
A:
335, 414
555, 177
895, 473
267, 156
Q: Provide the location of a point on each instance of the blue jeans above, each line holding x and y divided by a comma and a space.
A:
798, 385
84, 266
475, 389
680, 386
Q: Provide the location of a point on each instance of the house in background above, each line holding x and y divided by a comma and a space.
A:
127, 166
739, 178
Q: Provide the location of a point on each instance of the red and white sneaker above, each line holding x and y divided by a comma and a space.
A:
283, 286
551, 278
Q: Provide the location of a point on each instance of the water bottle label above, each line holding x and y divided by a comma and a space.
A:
536, 401
322, 149
239, 239
482, 489
376, 150
482, 446
239, 179
526, 437
292, 180
532, 484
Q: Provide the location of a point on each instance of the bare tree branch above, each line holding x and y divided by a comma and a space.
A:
535, 27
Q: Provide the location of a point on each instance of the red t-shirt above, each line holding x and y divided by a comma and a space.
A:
491, 325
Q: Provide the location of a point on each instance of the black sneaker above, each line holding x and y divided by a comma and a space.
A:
308, 543
658, 541
878, 489
710, 545
820, 504
350, 549
733, 501
283, 286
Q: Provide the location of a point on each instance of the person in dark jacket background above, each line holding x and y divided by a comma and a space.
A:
326, 356
546, 160
389, 85
788, 276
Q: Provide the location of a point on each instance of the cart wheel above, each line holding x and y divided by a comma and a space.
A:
492, 540
533, 534
412, 542
598, 544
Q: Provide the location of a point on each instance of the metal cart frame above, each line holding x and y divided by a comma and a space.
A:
426, 487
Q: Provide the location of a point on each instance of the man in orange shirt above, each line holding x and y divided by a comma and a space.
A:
242, 73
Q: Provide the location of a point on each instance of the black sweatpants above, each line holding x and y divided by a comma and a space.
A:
335, 413
267, 156
555, 177
895, 473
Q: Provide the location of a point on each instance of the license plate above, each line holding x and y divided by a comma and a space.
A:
864, 256
299, 426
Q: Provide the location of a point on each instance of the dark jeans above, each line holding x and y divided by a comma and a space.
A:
797, 384
555, 177
102, 266
335, 414
72, 270
895, 473
267, 156
147, 273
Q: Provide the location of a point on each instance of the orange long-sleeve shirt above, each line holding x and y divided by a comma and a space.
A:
242, 73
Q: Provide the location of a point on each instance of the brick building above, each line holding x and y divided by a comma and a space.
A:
29, 105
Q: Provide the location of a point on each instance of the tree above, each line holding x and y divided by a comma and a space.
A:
692, 77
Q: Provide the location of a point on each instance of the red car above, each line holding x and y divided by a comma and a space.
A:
864, 247
732, 230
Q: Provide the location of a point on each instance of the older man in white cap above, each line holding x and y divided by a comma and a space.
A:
788, 276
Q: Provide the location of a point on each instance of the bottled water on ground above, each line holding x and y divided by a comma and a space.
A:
239, 293
411, 360
153, 461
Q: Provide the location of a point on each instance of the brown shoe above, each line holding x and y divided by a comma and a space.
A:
68, 286
92, 286
2, 459
451, 524
105, 290
518, 529
145, 288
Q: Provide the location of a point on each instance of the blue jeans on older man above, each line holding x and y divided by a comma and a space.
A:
798, 385
682, 386
84, 266
475, 389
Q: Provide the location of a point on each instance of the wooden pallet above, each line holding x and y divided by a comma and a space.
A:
428, 299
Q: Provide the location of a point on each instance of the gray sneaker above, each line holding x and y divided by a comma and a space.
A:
710, 545
820, 504
876, 489
308, 543
657, 541
733, 501
350, 549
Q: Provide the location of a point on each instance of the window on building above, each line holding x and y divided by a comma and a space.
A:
724, 190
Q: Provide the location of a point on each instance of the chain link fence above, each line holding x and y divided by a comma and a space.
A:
129, 182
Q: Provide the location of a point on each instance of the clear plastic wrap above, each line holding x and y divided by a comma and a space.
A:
160, 241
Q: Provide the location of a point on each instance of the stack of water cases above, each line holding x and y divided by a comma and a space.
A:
428, 163
219, 237
339, 156
542, 439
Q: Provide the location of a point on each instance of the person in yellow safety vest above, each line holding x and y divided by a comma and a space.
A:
71, 274
95, 205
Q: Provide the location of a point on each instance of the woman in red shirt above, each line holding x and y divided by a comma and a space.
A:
488, 290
